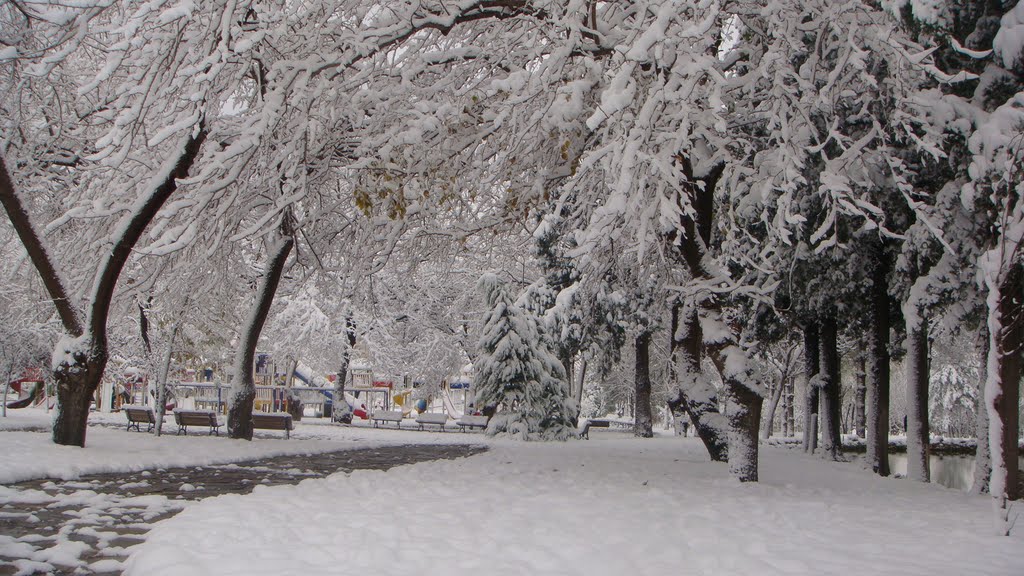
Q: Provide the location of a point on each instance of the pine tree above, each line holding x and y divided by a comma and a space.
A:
516, 374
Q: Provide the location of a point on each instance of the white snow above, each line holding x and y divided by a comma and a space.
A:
611, 505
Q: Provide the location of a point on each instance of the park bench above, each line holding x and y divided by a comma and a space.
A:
382, 416
583, 431
430, 418
186, 418
275, 421
468, 421
139, 415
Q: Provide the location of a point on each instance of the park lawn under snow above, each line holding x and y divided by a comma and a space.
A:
611, 505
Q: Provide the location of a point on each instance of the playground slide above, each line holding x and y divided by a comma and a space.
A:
28, 400
449, 406
305, 375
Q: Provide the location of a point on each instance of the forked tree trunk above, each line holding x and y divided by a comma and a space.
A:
778, 393
243, 388
829, 378
917, 402
878, 368
78, 375
694, 395
643, 419
811, 366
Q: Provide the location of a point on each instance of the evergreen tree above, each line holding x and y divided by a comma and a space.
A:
517, 376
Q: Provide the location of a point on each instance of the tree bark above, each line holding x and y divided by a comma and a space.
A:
878, 368
694, 395
829, 378
243, 388
812, 352
643, 419
768, 426
161, 381
982, 460
917, 402
790, 410
1002, 388
859, 394
340, 410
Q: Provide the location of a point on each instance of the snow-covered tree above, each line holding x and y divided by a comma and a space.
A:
516, 374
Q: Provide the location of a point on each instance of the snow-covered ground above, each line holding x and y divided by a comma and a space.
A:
611, 505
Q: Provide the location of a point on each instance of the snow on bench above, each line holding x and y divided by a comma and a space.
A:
583, 430
472, 422
186, 418
139, 415
429, 418
382, 416
273, 421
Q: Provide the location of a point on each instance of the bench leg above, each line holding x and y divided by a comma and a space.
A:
182, 430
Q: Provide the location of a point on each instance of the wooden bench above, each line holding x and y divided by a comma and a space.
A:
275, 421
583, 431
471, 422
139, 415
382, 416
186, 418
426, 418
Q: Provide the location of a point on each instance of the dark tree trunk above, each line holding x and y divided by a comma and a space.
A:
1004, 393
744, 418
778, 393
790, 408
878, 368
829, 378
693, 398
243, 388
340, 410
76, 382
982, 458
859, 393
811, 367
917, 402
644, 420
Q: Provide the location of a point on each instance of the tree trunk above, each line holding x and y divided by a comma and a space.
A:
1002, 387
790, 408
859, 395
243, 388
161, 381
982, 460
811, 367
77, 379
580, 378
695, 395
917, 401
744, 417
643, 419
829, 378
340, 410
878, 369
778, 393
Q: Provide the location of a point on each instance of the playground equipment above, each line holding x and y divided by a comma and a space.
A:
26, 399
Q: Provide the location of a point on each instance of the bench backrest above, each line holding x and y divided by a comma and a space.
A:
193, 417
431, 418
387, 415
473, 420
139, 414
272, 421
